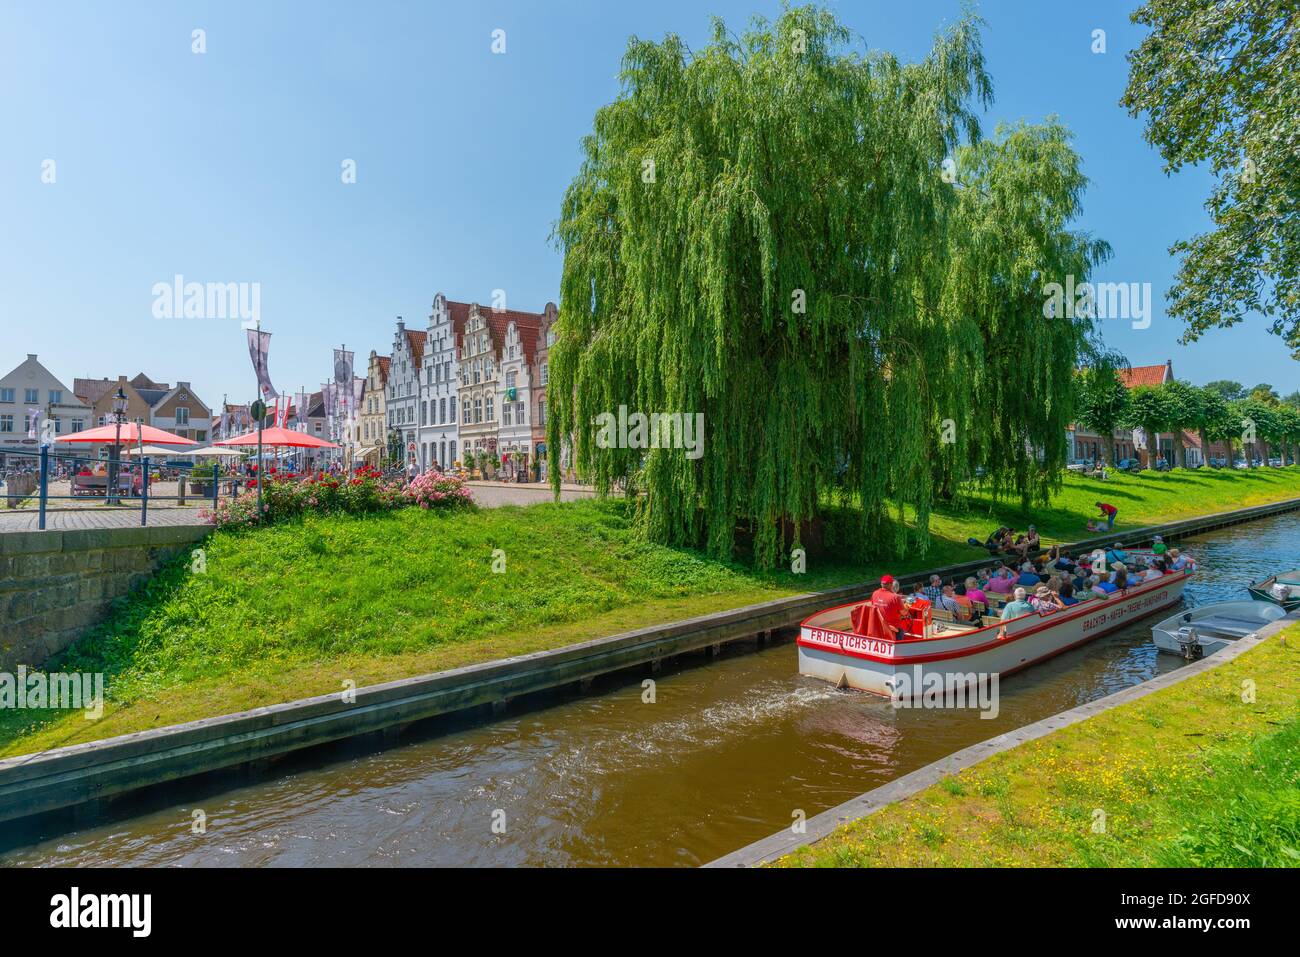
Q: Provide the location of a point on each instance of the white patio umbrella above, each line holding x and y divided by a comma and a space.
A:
214, 452
154, 450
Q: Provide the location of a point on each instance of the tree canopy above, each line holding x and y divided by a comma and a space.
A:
814, 248
1216, 80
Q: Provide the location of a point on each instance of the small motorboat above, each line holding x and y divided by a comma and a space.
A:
850, 646
1281, 589
1196, 632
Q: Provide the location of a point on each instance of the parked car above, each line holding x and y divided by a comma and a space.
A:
1129, 465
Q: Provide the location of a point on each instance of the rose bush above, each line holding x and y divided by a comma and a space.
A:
363, 492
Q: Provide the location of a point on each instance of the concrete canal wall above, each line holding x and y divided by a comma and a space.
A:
84, 774
823, 825
56, 584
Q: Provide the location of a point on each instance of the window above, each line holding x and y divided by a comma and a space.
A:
442, 410
491, 416
478, 411
452, 418
465, 410
31, 396
6, 395
182, 415
6, 423
505, 414
56, 397
201, 435
541, 412
78, 425
544, 375
511, 377
58, 425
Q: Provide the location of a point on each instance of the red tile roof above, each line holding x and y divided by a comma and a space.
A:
1145, 375
384, 363
415, 341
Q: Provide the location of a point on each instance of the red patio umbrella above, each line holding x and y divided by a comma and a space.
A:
280, 436
130, 434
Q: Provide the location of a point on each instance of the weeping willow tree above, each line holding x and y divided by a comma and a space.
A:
813, 248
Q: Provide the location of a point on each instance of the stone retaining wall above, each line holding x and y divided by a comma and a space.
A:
55, 585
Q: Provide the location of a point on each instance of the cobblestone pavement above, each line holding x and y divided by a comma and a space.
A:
91, 513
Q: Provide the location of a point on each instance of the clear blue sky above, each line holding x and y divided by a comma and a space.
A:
226, 166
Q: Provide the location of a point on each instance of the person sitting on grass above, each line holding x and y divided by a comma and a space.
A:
1029, 544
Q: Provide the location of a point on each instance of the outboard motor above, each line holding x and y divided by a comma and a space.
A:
1190, 643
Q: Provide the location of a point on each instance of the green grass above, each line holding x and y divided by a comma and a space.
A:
1195, 775
296, 609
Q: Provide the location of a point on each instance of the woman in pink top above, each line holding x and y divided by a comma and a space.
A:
1001, 583
974, 593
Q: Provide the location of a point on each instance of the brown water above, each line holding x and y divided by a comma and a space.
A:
725, 755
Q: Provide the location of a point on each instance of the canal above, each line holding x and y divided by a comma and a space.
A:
725, 753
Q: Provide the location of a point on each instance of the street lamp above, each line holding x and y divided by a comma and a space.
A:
119, 416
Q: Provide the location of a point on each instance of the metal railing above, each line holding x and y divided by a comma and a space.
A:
124, 478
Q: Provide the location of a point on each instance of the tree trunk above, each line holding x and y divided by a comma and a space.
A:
1179, 457
1108, 443
1205, 447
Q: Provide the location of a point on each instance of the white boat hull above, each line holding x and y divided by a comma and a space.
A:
894, 668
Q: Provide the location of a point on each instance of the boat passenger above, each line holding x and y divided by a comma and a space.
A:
1177, 560
934, 589
1001, 583
887, 601
975, 593
1116, 555
1067, 594
1120, 576
1102, 587
1158, 546
1152, 573
1046, 601
947, 601
967, 610
1017, 606
1027, 576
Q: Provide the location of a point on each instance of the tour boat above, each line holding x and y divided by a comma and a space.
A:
1205, 630
850, 646
1282, 589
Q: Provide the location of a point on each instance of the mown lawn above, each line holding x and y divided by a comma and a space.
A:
1203, 774
295, 610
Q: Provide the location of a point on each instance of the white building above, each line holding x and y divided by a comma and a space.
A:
403, 403
514, 390
32, 386
439, 434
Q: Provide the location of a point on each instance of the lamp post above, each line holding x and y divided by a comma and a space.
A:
119, 416
258, 411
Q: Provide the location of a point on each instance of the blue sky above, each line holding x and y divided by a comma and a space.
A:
225, 166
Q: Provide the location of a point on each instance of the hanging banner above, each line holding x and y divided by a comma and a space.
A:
343, 379
225, 421
259, 344
300, 401
33, 419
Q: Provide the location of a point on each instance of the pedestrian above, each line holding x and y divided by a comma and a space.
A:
1108, 512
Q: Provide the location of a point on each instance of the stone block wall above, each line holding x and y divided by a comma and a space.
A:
55, 585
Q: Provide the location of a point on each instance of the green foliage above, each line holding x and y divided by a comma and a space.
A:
1217, 82
1227, 388
765, 231
1101, 402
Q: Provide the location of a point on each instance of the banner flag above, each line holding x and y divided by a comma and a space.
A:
259, 344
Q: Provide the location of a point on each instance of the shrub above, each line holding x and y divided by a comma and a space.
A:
364, 492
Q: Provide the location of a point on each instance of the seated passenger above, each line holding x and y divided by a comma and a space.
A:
1103, 588
1001, 583
1046, 601
1017, 606
948, 602
975, 593
1067, 594
1027, 576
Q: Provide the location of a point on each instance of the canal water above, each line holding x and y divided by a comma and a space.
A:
727, 752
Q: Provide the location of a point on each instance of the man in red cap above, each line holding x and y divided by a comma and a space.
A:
886, 599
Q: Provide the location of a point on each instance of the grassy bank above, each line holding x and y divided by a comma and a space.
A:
1196, 775
294, 610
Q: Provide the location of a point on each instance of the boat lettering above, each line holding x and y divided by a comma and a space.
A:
1133, 607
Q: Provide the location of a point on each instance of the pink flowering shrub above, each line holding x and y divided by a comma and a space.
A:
364, 492
438, 490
